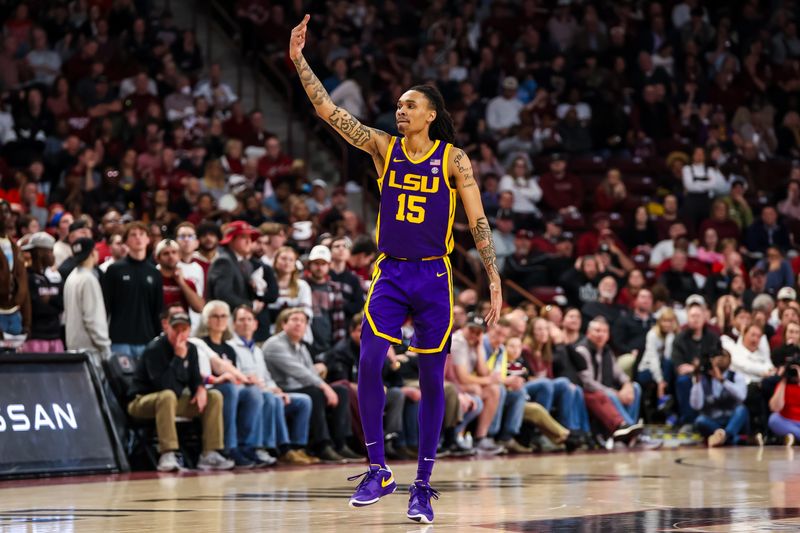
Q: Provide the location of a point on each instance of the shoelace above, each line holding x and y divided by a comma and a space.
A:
368, 476
425, 493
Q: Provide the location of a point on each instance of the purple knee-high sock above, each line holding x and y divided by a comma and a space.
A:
371, 396
431, 410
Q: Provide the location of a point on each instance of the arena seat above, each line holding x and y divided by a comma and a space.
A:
549, 294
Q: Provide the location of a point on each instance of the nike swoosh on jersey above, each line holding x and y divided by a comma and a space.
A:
439, 275
395, 160
386, 482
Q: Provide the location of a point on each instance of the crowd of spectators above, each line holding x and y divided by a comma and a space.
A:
638, 163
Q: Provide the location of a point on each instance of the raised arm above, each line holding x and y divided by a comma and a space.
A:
373, 141
478, 225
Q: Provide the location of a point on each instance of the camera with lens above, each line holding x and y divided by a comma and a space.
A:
791, 370
704, 368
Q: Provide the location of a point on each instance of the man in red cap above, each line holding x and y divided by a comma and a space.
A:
230, 277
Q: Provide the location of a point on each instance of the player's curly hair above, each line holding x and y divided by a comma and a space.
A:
442, 128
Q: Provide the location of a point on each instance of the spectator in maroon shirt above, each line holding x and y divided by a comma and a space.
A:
257, 134
721, 222
232, 160
238, 126
177, 289
546, 242
141, 98
561, 191
668, 218
589, 242
274, 164
611, 195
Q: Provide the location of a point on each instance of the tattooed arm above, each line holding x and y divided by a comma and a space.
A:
478, 225
371, 140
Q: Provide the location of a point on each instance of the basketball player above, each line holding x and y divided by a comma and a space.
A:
419, 175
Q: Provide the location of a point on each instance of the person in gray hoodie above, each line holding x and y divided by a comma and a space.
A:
84, 309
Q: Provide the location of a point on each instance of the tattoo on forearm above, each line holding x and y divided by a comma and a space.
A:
465, 169
346, 124
482, 234
350, 127
314, 89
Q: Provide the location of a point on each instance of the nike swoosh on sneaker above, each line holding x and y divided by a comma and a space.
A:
386, 482
438, 275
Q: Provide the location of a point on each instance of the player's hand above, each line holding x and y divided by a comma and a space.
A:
298, 39
495, 291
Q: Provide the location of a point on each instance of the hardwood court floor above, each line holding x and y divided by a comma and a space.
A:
698, 490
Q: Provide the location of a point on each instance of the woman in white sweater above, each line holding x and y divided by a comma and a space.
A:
525, 187
657, 358
748, 359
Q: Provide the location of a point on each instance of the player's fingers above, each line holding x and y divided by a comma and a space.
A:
302, 24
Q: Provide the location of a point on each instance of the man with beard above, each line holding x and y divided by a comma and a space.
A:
208, 236
15, 303
604, 305
177, 289
109, 225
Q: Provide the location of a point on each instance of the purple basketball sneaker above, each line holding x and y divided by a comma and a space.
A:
419, 502
377, 483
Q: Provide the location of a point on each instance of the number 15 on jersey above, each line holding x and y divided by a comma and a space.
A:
411, 208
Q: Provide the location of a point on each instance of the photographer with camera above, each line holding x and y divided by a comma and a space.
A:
718, 395
785, 404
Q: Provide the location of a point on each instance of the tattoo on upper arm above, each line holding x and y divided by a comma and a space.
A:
482, 234
350, 127
464, 168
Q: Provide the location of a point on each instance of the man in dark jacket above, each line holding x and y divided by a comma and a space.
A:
690, 346
236, 280
47, 298
169, 367
15, 303
342, 362
766, 232
630, 329
133, 294
351, 286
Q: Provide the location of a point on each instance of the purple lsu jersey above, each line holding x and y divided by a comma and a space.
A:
417, 209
